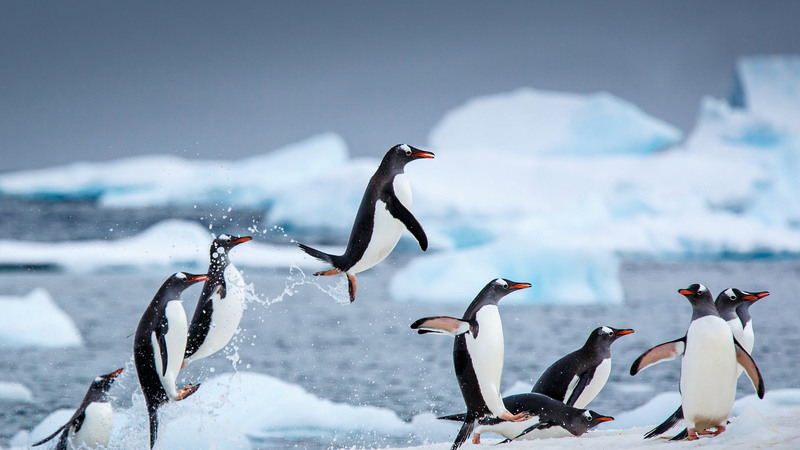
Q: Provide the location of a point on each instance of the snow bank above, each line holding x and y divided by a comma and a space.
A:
36, 320
14, 392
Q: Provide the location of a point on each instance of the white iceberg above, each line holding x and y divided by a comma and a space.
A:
36, 320
15, 392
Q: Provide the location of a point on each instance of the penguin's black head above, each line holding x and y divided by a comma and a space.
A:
696, 292
182, 280
225, 242
500, 287
400, 155
607, 335
103, 382
592, 419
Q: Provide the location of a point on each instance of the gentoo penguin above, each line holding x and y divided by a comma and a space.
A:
577, 378
708, 367
384, 212
159, 346
548, 418
477, 354
727, 303
221, 303
90, 426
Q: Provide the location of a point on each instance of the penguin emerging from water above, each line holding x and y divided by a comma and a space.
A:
578, 377
727, 303
90, 426
708, 367
384, 212
477, 354
548, 418
221, 303
159, 347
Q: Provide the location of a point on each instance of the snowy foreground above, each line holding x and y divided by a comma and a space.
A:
552, 188
230, 409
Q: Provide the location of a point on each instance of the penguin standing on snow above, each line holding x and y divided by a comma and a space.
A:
221, 303
709, 365
90, 426
384, 212
727, 303
477, 354
159, 347
578, 377
548, 418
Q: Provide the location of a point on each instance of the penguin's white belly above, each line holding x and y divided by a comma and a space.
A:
386, 230
594, 386
176, 347
708, 373
486, 352
510, 430
748, 340
96, 428
738, 332
226, 315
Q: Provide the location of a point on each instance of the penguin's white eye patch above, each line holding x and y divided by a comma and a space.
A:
587, 415
180, 275
607, 330
701, 289
406, 149
501, 282
225, 237
98, 379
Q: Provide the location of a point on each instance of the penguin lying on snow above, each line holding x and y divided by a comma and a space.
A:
159, 347
90, 426
728, 303
578, 377
546, 415
709, 365
221, 304
478, 354
384, 212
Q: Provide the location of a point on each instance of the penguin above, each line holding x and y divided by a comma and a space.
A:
727, 303
221, 304
90, 426
385, 210
477, 354
159, 346
578, 377
708, 367
548, 418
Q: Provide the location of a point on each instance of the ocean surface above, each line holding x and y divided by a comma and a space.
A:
362, 353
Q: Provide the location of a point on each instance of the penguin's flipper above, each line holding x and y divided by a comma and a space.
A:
670, 422
401, 213
161, 333
59, 430
444, 325
463, 433
201, 320
750, 368
660, 353
536, 426
77, 423
454, 417
583, 381
681, 436
63, 442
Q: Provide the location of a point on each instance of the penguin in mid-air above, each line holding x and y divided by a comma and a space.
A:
221, 304
708, 367
477, 354
384, 212
90, 426
159, 346
578, 377
548, 418
727, 303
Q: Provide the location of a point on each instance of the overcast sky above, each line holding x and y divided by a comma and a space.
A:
99, 80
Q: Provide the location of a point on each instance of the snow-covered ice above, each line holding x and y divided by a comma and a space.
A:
36, 320
14, 392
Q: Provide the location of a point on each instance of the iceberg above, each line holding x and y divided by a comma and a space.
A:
15, 392
36, 320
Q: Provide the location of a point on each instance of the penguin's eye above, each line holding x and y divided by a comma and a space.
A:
408, 152
733, 297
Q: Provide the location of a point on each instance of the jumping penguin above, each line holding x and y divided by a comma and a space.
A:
548, 418
384, 212
727, 303
159, 347
709, 365
477, 354
578, 377
90, 426
221, 304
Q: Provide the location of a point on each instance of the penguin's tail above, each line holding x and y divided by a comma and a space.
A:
322, 256
454, 417
463, 433
670, 422
152, 411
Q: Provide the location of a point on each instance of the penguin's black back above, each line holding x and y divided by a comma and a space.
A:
555, 380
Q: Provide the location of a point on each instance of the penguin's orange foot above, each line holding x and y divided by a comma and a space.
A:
476, 438
351, 286
187, 391
519, 417
328, 273
692, 434
720, 429
184, 364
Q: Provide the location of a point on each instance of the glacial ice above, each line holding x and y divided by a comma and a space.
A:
36, 320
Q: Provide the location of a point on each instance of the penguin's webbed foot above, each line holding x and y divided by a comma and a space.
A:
519, 417
692, 434
351, 286
720, 429
187, 391
327, 273
476, 438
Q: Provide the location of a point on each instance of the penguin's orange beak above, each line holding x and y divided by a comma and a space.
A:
243, 239
762, 294
685, 292
115, 373
520, 286
624, 332
199, 278
423, 154
604, 419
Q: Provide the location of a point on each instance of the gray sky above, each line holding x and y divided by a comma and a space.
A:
100, 79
